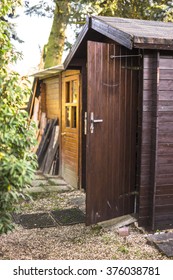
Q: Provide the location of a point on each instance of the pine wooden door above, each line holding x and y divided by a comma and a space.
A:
70, 129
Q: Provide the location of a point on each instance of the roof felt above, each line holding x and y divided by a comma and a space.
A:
130, 33
140, 28
139, 32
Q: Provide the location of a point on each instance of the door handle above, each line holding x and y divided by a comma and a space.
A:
63, 133
97, 121
93, 121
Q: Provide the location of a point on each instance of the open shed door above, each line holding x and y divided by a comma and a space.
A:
70, 127
111, 133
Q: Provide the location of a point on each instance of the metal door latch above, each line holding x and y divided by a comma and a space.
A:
93, 121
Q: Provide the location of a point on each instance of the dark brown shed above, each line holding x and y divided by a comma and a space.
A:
126, 116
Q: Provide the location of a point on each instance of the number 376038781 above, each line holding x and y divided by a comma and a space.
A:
138, 270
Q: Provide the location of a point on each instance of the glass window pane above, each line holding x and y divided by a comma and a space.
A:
67, 116
67, 92
74, 117
74, 91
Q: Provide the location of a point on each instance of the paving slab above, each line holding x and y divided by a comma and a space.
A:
40, 183
58, 189
49, 176
56, 181
160, 237
166, 247
35, 190
40, 177
163, 241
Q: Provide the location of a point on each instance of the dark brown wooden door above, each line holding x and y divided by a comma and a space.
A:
70, 129
111, 139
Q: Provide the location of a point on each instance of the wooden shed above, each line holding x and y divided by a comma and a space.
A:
58, 93
115, 108
126, 119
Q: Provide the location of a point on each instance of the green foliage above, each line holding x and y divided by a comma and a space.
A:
161, 10
132, 8
75, 12
17, 162
145, 9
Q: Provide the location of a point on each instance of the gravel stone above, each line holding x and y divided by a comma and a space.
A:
75, 242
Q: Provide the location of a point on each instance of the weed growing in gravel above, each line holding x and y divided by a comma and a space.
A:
77, 240
123, 249
96, 229
106, 239
114, 257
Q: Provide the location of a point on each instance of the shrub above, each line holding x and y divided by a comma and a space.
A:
17, 161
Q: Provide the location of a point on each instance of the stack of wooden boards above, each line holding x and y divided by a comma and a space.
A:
48, 149
47, 136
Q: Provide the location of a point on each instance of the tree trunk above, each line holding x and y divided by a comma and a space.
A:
54, 49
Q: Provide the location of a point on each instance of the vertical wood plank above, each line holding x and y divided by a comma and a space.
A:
111, 149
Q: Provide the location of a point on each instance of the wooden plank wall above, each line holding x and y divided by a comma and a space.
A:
163, 212
52, 97
156, 166
147, 125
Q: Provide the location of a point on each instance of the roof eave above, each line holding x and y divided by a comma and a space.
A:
77, 43
49, 72
152, 43
113, 33
100, 26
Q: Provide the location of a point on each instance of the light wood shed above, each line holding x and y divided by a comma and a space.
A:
57, 99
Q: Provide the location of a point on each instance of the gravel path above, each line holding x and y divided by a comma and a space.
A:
72, 242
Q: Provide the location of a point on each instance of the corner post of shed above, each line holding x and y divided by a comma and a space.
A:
154, 140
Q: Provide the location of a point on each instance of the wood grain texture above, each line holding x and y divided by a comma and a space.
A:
111, 149
157, 133
52, 97
70, 135
164, 189
148, 130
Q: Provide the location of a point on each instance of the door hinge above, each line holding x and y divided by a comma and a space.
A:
136, 193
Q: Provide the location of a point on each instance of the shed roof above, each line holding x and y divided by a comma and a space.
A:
139, 31
49, 72
131, 33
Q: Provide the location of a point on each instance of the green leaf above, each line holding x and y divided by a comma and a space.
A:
17, 162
